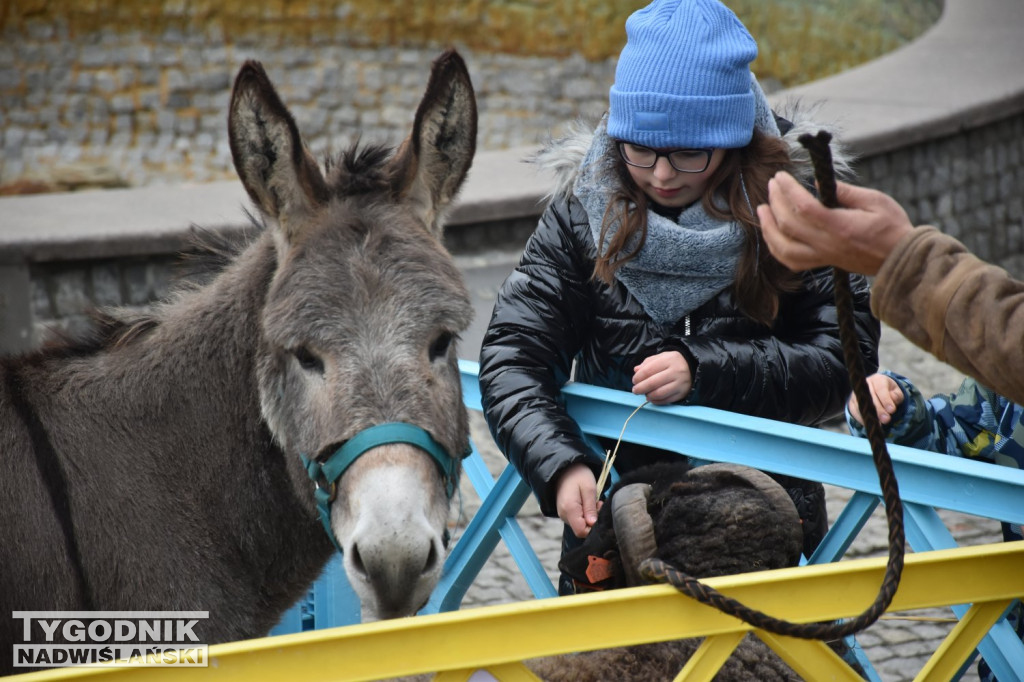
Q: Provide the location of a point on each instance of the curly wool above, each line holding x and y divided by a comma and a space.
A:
704, 527
708, 531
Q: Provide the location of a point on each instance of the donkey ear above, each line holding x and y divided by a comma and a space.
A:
432, 163
270, 158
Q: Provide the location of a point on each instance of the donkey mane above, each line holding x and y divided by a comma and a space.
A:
105, 331
210, 252
206, 254
359, 170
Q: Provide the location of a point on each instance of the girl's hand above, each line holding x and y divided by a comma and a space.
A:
885, 394
576, 499
663, 378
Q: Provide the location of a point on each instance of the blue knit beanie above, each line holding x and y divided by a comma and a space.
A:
683, 78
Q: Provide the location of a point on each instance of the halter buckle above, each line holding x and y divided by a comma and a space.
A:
330, 487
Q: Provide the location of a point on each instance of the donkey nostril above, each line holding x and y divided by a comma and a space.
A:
432, 558
357, 560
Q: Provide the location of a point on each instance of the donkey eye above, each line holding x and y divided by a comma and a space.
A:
439, 349
307, 360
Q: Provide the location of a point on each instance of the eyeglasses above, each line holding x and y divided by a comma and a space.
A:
683, 160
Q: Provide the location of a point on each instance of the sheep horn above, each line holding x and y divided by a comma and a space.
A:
768, 486
634, 529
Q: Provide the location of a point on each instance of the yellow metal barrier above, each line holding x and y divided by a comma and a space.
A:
497, 638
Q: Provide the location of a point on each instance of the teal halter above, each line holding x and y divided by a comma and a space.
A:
325, 474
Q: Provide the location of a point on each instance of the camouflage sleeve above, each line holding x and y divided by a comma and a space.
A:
914, 424
969, 423
983, 424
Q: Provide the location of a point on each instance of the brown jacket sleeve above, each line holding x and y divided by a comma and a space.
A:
961, 309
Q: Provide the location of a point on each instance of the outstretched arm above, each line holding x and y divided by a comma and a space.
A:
534, 333
911, 420
975, 422
959, 308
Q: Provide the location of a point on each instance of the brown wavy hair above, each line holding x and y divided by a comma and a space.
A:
760, 279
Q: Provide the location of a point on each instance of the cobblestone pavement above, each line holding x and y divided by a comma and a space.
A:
898, 646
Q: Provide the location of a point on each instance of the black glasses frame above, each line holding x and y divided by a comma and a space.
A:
668, 155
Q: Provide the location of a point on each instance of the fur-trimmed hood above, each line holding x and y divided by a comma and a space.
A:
680, 262
562, 157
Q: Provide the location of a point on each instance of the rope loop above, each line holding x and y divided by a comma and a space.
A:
659, 571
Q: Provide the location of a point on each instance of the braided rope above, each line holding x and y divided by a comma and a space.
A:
659, 571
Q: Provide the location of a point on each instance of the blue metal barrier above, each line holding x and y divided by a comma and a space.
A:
926, 480
331, 602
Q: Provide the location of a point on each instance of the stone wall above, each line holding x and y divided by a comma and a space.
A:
128, 93
969, 185
107, 93
161, 115
970, 182
62, 293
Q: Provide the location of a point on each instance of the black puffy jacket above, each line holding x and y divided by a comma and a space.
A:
550, 311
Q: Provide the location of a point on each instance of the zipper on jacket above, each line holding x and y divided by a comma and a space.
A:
686, 325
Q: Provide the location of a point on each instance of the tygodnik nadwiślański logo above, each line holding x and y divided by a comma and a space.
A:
119, 638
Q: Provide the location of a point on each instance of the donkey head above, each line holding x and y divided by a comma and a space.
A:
360, 322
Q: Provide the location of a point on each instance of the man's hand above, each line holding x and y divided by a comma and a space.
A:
576, 499
663, 378
803, 234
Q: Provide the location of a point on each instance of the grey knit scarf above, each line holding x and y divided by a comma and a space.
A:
683, 263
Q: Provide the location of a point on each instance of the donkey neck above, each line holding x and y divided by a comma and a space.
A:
184, 434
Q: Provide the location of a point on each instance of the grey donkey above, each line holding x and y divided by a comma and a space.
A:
164, 463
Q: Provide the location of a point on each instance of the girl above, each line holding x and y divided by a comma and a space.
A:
648, 272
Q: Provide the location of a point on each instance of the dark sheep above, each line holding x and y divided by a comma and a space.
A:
706, 521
